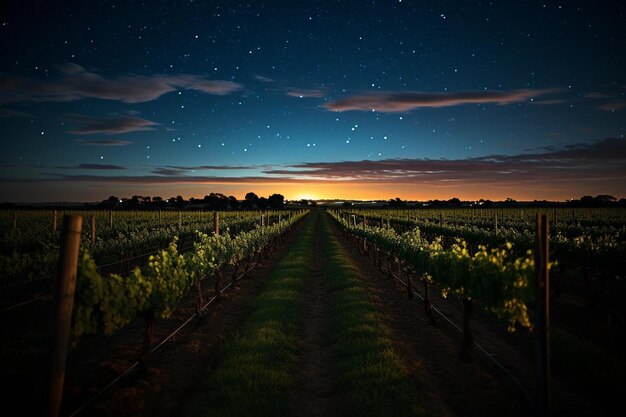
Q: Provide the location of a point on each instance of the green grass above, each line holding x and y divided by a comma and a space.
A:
256, 371
255, 375
372, 376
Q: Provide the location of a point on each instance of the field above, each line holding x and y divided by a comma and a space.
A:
321, 311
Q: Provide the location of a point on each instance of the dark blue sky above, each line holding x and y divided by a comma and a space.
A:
341, 99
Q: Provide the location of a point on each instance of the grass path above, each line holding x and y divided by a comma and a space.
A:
256, 372
314, 344
373, 378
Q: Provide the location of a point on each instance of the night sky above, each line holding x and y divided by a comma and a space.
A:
312, 99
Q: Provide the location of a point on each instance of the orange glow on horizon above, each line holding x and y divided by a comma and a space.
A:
326, 190
421, 192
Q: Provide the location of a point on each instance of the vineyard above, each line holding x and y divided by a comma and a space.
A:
438, 312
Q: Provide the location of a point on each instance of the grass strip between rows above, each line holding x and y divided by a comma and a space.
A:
374, 379
257, 370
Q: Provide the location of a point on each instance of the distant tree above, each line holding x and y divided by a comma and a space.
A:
263, 203
454, 202
603, 198
251, 200
276, 201
113, 200
304, 202
397, 202
216, 201
157, 199
586, 200
134, 201
233, 202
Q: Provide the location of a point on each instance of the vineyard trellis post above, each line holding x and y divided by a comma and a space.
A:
216, 230
63, 302
542, 318
180, 219
495, 223
111, 218
93, 228
54, 221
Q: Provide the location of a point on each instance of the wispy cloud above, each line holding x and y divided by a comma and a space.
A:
597, 95
93, 166
181, 170
155, 179
405, 101
613, 106
604, 159
75, 83
549, 102
114, 125
599, 165
106, 142
263, 78
304, 93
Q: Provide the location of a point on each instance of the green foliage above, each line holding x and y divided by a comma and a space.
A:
497, 279
30, 252
106, 304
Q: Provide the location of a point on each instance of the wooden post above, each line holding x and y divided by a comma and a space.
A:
542, 314
180, 219
216, 223
159, 216
495, 223
279, 218
63, 301
54, 221
262, 223
93, 228
111, 218
440, 218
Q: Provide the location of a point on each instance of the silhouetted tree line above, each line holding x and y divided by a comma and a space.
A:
213, 201
601, 200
